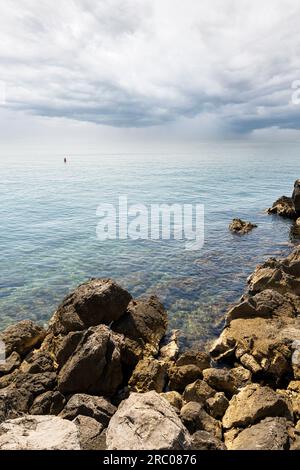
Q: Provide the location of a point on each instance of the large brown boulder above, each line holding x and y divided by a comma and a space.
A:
144, 325
22, 337
95, 365
252, 404
98, 301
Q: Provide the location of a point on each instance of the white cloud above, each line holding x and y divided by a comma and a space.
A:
222, 67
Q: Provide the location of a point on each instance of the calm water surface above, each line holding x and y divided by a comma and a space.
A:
48, 228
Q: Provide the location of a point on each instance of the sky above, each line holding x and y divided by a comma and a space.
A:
130, 75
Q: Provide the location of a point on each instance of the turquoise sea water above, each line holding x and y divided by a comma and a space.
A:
48, 228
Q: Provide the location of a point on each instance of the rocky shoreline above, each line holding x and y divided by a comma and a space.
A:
106, 374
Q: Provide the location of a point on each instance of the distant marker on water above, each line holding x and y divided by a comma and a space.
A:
65, 160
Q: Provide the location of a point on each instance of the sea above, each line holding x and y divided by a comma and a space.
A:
49, 215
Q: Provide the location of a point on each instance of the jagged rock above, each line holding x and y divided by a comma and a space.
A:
169, 347
174, 398
98, 301
143, 325
90, 433
14, 402
282, 275
265, 304
203, 440
11, 363
39, 433
252, 404
36, 384
198, 359
48, 403
149, 374
95, 366
86, 405
22, 337
293, 400
284, 206
294, 386
37, 362
269, 434
227, 380
8, 379
195, 419
198, 391
241, 227
146, 421
181, 376
217, 405
296, 195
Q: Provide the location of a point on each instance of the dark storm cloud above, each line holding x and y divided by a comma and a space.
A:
139, 63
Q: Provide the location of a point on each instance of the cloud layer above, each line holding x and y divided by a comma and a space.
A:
139, 63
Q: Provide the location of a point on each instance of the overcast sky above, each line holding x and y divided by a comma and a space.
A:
113, 75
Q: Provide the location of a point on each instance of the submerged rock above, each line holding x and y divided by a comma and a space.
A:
146, 421
241, 227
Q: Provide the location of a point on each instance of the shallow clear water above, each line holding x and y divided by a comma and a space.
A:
48, 228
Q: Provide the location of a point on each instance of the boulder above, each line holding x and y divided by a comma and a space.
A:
241, 227
217, 405
48, 403
195, 419
198, 391
203, 440
252, 404
39, 433
10, 364
269, 434
143, 325
146, 421
97, 408
22, 337
35, 384
91, 436
14, 402
181, 376
38, 362
227, 380
174, 398
284, 206
95, 366
98, 301
149, 374
196, 358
